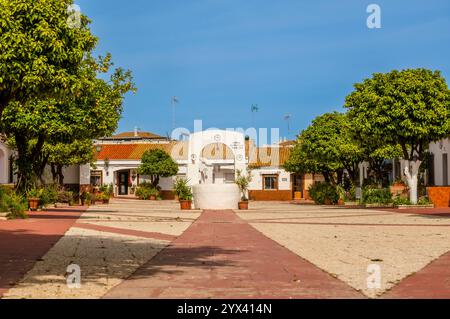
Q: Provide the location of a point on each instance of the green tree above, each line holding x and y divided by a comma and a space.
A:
92, 112
409, 108
157, 163
39, 51
51, 88
376, 155
326, 147
61, 155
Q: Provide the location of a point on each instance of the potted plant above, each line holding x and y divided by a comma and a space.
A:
342, 194
184, 193
153, 193
87, 198
104, 197
33, 199
243, 181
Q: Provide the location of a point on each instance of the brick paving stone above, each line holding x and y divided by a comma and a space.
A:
222, 256
24, 242
431, 282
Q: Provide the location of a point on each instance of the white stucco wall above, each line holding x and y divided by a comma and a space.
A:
71, 175
4, 164
438, 149
284, 178
85, 174
200, 170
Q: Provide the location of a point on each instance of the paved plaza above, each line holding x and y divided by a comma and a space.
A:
151, 249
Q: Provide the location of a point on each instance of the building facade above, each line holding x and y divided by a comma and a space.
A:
207, 157
210, 157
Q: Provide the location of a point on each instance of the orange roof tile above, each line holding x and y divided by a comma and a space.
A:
178, 150
268, 156
258, 156
119, 151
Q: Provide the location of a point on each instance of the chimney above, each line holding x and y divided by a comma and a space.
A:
136, 131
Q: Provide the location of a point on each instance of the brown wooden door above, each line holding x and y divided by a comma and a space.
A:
297, 186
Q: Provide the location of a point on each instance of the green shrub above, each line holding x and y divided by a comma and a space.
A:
401, 201
65, 197
424, 201
323, 193
48, 195
104, 197
3, 206
182, 189
16, 205
372, 195
145, 190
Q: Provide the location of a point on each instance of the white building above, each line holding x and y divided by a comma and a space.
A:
6, 176
207, 157
439, 163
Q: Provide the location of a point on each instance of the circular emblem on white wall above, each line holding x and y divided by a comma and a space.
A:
240, 157
217, 138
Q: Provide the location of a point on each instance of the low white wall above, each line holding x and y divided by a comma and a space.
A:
216, 196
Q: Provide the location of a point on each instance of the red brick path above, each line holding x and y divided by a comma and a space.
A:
431, 282
221, 256
23, 242
443, 212
123, 231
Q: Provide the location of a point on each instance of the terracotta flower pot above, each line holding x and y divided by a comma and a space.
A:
341, 202
152, 197
185, 204
33, 203
243, 205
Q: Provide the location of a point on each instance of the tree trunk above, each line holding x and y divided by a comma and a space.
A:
326, 176
54, 173
60, 175
155, 181
340, 176
412, 177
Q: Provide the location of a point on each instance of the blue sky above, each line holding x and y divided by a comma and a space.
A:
288, 56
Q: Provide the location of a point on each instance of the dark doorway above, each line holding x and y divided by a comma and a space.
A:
123, 182
297, 186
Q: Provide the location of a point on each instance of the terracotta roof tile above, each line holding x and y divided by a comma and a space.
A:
178, 150
114, 152
268, 156
258, 157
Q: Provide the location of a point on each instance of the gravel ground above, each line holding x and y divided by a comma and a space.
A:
105, 258
345, 242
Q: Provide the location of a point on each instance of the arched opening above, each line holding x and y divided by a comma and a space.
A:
217, 164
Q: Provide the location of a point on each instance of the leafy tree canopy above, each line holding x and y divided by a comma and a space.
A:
39, 51
157, 163
75, 97
326, 146
409, 108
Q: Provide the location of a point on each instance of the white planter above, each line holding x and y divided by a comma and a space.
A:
216, 196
